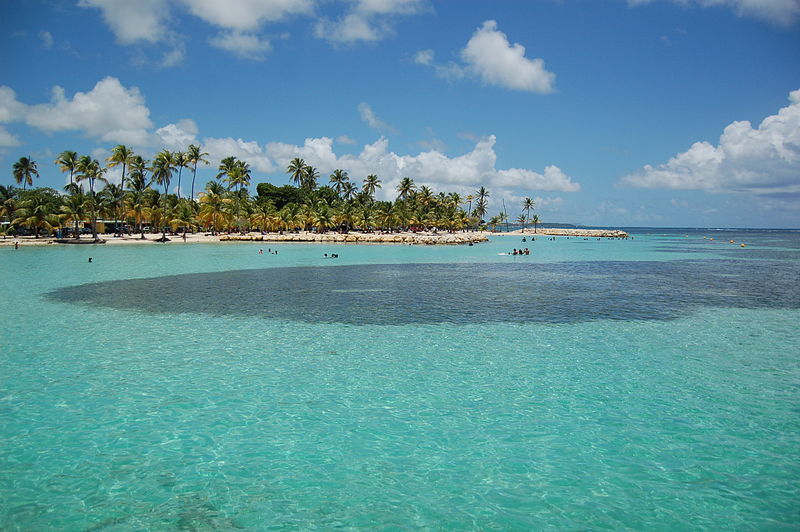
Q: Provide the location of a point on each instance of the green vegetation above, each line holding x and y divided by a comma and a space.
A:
143, 201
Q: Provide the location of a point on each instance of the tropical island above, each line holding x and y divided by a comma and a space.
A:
148, 200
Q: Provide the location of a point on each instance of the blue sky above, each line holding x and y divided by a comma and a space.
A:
607, 112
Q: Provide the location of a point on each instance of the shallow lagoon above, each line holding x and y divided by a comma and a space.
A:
647, 384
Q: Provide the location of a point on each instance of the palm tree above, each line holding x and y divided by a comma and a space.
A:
308, 180
36, 213
535, 221
24, 170
181, 162
527, 205
137, 207
120, 154
338, 179
67, 161
214, 210
90, 170
405, 188
469, 199
182, 216
226, 166
521, 220
296, 169
371, 183
114, 201
8, 203
163, 167
349, 191
193, 157
74, 210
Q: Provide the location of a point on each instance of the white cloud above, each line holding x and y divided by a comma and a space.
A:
142, 20
424, 57
490, 56
371, 119
178, 136
779, 12
11, 109
219, 148
109, 112
246, 15
7, 140
46, 38
431, 168
244, 45
763, 161
368, 20
173, 57
344, 139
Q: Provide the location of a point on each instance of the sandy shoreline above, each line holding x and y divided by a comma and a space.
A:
418, 238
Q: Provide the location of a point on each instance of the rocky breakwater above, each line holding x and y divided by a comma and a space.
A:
422, 238
594, 233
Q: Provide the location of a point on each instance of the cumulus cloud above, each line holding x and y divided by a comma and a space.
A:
431, 167
490, 57
762, 161
779, 12
132, 22
241, 44
246, 15
109, 112
368, 20
250, 151
178, 136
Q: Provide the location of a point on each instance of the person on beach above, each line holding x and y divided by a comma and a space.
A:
16, 245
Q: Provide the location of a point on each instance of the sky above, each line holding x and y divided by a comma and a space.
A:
673, 113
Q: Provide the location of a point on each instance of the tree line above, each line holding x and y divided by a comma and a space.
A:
142, 200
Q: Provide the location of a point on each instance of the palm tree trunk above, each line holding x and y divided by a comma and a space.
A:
194, 174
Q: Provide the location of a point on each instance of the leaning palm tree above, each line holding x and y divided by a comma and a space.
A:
338, 179
405, 188
24, 171
163, 167
371, 183
193, 157
296, 169
67, 161
120, 154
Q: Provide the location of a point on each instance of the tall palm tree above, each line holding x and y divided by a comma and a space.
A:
163, 168
469, 199
193, 157
296, 169
371, 183
405, 188
24, 171
338, 179
120, 154
527, 205
181, 162
67, 161
90, 170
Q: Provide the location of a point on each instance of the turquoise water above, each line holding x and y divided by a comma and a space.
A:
650, 384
